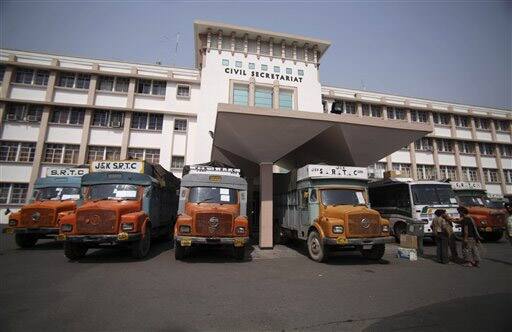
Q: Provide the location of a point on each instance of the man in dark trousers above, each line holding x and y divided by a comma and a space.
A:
441, 236
470, 238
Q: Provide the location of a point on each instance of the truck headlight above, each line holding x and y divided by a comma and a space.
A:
12, 223
66, 227
240, 230
484, 222
184, 229
338, 229
127, 227
385, 228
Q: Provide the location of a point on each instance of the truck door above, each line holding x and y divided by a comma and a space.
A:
304, 207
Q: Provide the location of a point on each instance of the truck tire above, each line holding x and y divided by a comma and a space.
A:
239, 253
316, 249
180, 252
74, 251
492, 237
375, 253
26, 240
140, 249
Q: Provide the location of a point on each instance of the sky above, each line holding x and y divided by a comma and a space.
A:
456, 51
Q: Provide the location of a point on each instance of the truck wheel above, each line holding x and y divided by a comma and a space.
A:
140, 249
26, 240
180, 252
375, 253
492, 237
74, 251
239, 253
317, 250
399, 229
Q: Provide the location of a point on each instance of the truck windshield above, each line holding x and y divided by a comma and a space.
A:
57, 194
493, 204
471, 201
426, 194
342, 197
212, 195
113, 191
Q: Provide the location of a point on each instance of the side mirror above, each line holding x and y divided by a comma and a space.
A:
7, 211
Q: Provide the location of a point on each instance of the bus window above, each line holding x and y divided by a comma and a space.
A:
313, 196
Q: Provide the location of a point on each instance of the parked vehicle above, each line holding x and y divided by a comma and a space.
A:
403, 200
327, 206
489, 214
212, 210
125, 203
54, 195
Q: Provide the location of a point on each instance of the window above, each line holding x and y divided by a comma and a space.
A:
441, 119
486, 149
103, 153
371, 110
13, 193
17, 151
61, 153
448, 172
426, 172
24, 113
285, 99
263, 97
111, 119
264, 67
177, 162
444, 145
404, 169
111, 83
264, 47
396, 113
506, 150
67, 115
225, 62
467, 147
491, 175
470, 174
241, 94
277, 69
30, 76
2, 73
461, 121
238, 64
239, 44
180, 125
423, 144
74, 80
419, 116
252, 65
183, 91
288, 71
151, 87
482, 124
300, 72
508, 175
342, 106
150, 155
147, 121
502, 125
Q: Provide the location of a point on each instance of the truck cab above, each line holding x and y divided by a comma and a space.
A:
327, 206
126, 203
54, 195
488, 214
212, 211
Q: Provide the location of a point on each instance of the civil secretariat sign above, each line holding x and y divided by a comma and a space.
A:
263, 74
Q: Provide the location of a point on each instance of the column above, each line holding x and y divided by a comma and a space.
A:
481, 173
275, 95
126, 135
258, 46
219, 41
435, 154
389, 162
252, 90
500, 169
266, 200
414, 167
271, 47
359, 109
6, 83
458, 163
41, 138
86, 128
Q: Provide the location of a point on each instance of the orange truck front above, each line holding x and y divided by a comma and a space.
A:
212, 211
55, 195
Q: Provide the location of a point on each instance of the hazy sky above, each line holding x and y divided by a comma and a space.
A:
454, 51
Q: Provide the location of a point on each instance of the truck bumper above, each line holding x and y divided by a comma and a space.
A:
187, 241
101, 239
358, 241
491, 229
43, 231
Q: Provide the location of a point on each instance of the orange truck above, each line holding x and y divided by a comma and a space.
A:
489, 215
54, 195
327, 206
126, 203
212, 211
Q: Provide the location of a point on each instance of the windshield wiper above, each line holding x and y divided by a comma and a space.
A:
205, 200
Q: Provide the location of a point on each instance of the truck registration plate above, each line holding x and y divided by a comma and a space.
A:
488, 229
186, 242
341, 240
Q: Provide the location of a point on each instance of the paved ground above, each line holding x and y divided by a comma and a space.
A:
275, 290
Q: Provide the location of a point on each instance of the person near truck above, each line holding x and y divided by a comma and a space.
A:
452, 238
440, 230
508, 207
470, 238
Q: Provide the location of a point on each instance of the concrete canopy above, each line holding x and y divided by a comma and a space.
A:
252, 135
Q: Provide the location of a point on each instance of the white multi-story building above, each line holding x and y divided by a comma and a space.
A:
62, 110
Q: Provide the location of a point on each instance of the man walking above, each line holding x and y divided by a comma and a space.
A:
470, 238
441, 236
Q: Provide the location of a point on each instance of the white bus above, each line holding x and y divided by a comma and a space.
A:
404, 200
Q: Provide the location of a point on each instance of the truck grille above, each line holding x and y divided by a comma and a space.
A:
214, 224
363, 225
497, 220
96, 222
37, 217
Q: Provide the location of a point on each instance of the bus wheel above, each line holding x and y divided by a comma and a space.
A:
375, 253
399, 229
317, 250
26, 240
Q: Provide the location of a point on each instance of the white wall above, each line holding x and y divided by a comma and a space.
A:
424, 158
464, 133
467, 161
446, 159
20, 131
70, 96
483, 135
106, 136
15, 172
505, 138
64, 134
489, 162
493, 189
111, 99
22, 92
401, 157
442, 131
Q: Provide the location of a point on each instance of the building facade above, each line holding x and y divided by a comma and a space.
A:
60, 110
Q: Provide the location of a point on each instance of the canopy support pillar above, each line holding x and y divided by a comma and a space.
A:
266, 213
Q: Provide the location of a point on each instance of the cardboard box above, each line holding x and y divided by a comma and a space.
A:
409, 241
407, 253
